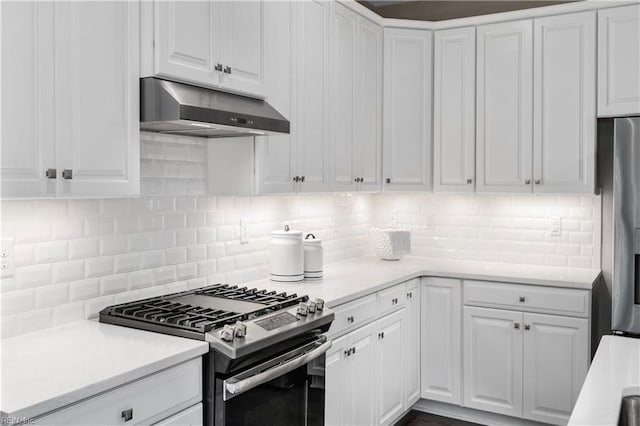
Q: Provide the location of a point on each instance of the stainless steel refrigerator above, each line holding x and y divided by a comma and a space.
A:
619, 174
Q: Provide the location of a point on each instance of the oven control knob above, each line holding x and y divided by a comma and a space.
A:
227, 333
303, 309
311, 307
240, 329
319, 304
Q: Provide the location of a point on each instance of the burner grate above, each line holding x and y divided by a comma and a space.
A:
166, 312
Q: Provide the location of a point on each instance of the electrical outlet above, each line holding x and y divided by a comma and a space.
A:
556, 226
7, 254
394, 218
244, 231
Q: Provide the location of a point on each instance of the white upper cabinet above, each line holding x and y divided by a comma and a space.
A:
97, 98
619, 61
454, 87
77, 85
344, 24
310, 118
407, 109
211, 43
504, 107
356, 108
27, 148
564, 114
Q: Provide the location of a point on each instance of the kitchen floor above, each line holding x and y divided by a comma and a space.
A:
417, 418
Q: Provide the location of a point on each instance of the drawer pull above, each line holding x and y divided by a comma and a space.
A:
522, 299
527, 327
350, 320
127, 414
516, 326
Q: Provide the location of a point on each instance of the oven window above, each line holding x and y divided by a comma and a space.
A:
296, 398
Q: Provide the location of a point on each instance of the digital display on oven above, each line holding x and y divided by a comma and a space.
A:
276, 321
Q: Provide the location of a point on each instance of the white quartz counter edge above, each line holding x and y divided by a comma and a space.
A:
47, 370
352, 279
614, 373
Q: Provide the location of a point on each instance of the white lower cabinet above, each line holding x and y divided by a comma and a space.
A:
390, 366
169, 394
441, 339
412, 344
524, 364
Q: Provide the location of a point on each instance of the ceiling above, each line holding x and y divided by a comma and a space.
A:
438, 10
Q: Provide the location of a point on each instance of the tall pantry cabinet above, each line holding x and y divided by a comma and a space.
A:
70, 99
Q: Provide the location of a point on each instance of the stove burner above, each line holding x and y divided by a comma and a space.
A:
217, 309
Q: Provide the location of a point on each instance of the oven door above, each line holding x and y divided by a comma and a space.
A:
286, 390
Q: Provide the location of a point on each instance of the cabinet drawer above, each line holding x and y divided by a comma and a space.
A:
150, 399
392, 299
190, 417
558, 301
353, 314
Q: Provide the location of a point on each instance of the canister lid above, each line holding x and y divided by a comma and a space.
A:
311, 239
287, 233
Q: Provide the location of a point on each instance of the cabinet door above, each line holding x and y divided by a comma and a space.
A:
454, 132
368, 159
27, 148
411, 352
97, 97
275, 154
241, 46
441, 339
311, 120
493, 360
336, 383
619, 61
343, 106
407, 110
564, 103
556, 360
186, 41
362, 379
504, 107
390, 366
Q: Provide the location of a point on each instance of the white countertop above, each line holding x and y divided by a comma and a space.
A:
614, 373
49, 369
351, 279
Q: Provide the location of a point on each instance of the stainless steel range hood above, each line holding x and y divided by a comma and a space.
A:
183, 109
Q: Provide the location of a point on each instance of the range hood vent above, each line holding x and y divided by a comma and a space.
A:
183, 109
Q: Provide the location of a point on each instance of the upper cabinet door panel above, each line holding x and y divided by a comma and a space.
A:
454, 110
27, 147
186, 40
343, 107
407, 109
565, 103
97, 97
504, 107
311, 121
241, 48
619, 61
369, 105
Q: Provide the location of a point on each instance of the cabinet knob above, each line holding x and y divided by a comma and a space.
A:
522, 299
356, 180
127, 414
302, 179
516, 325
527, 327
387, 180
67, 174
218, 67
227, 70
538, 181
382, 334
469, 181
354, 350
527, 181
51, 173
361, 180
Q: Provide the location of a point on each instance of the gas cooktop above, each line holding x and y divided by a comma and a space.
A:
234, 320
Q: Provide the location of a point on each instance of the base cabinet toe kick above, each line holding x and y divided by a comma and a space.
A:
489, 351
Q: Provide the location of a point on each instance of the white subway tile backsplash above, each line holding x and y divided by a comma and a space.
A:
163, 239
127, 262
68, 313
113, 284
84, 289
68, 271
175, 256
196, 252
175, 221
52, 251
206, 235
84, 248
66, 229
24, 254
98, 226
31, 321
140, 242
186, 271
126, 224
152, 259
164, 275
140, 279
94, 306
32, 231
52, 295
186, 237
113, 245
18, 301
99, 266
34, 276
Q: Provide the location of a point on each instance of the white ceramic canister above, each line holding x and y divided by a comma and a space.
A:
313, 257
287, 256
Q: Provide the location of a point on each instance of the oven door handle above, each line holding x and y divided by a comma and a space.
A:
234, 386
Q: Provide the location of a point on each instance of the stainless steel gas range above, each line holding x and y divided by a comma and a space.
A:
266, 359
